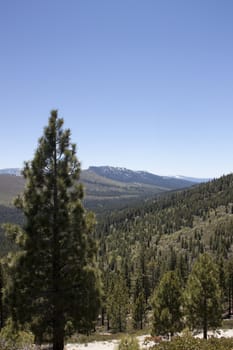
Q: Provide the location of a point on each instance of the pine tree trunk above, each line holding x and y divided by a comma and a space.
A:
58, 324
119, 318
58, 338
229, 302
102, 316
205, 332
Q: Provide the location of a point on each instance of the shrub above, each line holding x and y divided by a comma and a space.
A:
10, 339
190, 343
128, 343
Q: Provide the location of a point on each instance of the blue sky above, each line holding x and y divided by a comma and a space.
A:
142, 84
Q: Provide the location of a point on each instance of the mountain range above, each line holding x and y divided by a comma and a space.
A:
11, 171
121, 174
104, 185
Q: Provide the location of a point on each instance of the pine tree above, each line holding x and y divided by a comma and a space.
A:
139, 301
203, 295
142, 274
166, 305
117, 303
139, 310
53, 275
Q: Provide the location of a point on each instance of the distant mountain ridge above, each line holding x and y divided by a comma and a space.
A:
122, 174
131, 176
192, 179
105, 187
11, 171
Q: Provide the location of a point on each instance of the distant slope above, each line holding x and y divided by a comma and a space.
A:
141, 177
12, 215
10, 186
172, 229
110, 187
104, 186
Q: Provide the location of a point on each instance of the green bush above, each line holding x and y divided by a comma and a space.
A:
128, 343
10, 339
191, 343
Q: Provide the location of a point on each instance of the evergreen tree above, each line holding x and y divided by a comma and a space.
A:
139, 301
139, 310
53, 275
117, 303
166, 304
142, 271
167, 316
203, 295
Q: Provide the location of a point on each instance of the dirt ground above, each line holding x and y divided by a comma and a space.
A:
112, 345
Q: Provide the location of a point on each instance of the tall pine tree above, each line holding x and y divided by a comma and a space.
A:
203, 297
166, 305
53, 276
117, 303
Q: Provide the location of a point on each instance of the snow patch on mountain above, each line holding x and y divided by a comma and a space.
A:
192, 179
11, 171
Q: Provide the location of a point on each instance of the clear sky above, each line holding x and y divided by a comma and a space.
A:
142, 84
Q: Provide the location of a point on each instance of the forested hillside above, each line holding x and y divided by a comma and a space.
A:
137, 246
168, 233
170, 230
8, 215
